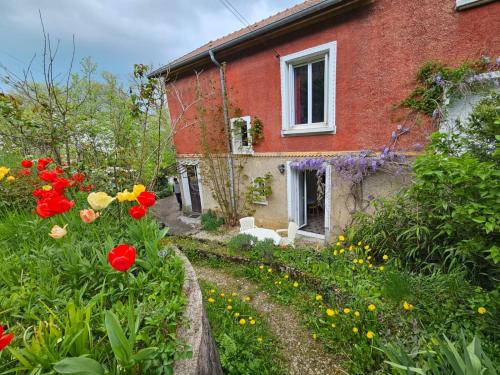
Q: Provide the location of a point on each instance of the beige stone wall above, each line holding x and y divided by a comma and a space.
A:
274, 215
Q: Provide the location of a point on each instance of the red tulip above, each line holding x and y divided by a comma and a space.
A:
48, 176
42, 163
146, 199
60, 184
25, 172
53, 204
78, 177
5, 339
27, 163
137, 212
122, 257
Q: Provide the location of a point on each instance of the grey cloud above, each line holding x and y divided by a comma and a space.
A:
119, 33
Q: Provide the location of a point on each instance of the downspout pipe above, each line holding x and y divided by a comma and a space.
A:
227, 128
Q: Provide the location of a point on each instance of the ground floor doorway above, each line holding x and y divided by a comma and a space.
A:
309, 193
191, 186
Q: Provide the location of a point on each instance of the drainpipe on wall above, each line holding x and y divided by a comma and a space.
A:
227, 128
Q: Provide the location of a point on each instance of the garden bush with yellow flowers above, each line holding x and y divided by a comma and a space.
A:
86, 285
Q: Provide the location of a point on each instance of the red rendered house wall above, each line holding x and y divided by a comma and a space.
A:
379, 50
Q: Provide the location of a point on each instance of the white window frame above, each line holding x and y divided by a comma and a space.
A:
236, 141
328, 52
263, 202
465, 4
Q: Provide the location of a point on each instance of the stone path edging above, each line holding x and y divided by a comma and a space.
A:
205, 359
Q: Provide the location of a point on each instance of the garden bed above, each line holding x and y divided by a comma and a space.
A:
87, 289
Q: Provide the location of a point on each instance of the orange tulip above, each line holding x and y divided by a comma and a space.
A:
88, 215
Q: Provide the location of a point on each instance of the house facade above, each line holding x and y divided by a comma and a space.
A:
323, 79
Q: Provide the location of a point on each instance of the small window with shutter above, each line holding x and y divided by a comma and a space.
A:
240, 135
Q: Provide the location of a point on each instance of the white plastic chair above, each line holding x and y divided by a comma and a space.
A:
289, 240
247, 223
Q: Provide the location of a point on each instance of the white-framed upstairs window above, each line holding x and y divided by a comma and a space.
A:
308, 90
241, 137
465, 4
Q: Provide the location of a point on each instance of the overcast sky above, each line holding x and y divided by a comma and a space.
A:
119, 33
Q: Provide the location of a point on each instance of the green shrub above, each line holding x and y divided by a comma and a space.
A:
211, 222
241, 243
450, 216
264, 250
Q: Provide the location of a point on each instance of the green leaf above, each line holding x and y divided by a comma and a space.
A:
79, 366
144, 354
117, 338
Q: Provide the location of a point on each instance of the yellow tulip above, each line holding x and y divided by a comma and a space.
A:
100, 200
11, 178
57, 232
138, 189
3, 172
47, 187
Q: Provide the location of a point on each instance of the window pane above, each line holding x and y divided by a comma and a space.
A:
318, 91
244, 134
300, 94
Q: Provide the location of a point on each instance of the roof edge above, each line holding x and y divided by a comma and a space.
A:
250, 35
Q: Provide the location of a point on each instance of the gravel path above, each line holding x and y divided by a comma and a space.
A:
304, 355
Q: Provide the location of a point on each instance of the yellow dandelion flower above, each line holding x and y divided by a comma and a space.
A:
360, 243
481, 310
335, 253
229, 307
330, 312
381, 268
361, 261
261, 267
370, 335
407, 305
351, 247
347, 310
355, 329
295, 284
341, 251
355, 261
250, 318
286, 276
314, 336
279, 282
357, 314
371, 307
276, 282
252, 322
370, 265
338, 244
259, 339
236, 314
319, 297
341, 238
222, 295
385, 257
247, 298
211, 300
367, 247
269, 270
334, 325
353, 268
229, 300
243, 321
212, 291
368, 258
